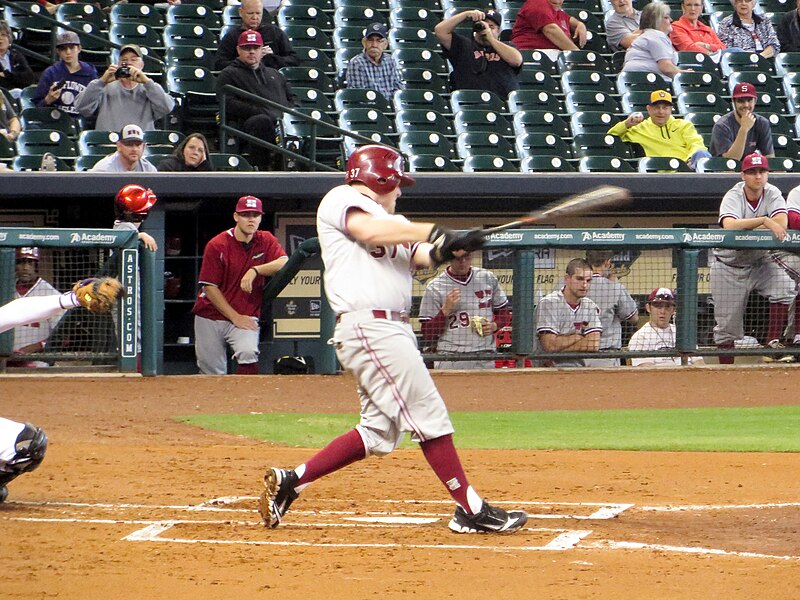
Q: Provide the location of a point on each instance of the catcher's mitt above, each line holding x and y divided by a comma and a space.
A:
98, 294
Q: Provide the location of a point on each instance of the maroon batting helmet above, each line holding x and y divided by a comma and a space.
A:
134, 200
28, 253
377, 167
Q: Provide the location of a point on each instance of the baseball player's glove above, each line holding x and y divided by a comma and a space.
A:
619, 271
98, 294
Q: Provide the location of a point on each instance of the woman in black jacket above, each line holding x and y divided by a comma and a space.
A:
190, 155
14, 69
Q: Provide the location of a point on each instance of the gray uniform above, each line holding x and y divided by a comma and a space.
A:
481, 295
555, 315
735, 273
759, 138
616, 305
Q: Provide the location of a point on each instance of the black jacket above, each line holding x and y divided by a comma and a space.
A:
263, 81
173, 163
21, 74
788, 30
283, 55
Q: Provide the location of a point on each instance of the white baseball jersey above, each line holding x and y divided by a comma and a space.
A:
358, 276
9, 430
735, 205
616, 305
481, 295
36, 331
655, 338
555, 315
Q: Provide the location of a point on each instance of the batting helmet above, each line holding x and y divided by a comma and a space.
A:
27, 254
377, 167
134, 200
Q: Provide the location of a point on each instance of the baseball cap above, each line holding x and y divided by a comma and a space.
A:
376, 29
661, 295
131, 132
495, 16
660, 96
755, 161
249, 204
132, 48
68, 38
250, 37
27, 253
744, 90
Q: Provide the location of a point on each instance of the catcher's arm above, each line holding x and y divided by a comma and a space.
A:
98, 294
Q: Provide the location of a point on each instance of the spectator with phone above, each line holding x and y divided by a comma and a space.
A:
124, 95
62, 83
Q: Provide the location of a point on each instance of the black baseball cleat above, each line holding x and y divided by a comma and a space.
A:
490, 519
278, 496
3, 493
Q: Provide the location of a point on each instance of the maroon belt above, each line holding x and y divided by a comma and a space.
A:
389, 315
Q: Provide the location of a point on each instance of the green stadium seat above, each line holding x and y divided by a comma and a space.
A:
413, 17
229, 162
360, 98
366, 121
189, 56
592, 81
483, 99
530, 121
33, 162
193, 14
534, 100
41, 141
85, 162
420, 163
635, 101
484, 142
424, 79
591, 144
536, 143
585, 60
763, 82
421, 58
422, 143
635, 81
592, 122
313, 57
136, 14
604, 164
309, 77
421, 119
412, 37
49, 118
313, 98
662, 164
486, 163
785, 147
357, 16
732, 62
702, 102
185, 34
133, 33
698, 82
539, 81
93, 141
787, 62
476, 119
314, 37
584, 100
544, 163
537, 60
304, 15
79, 13
419, 98
697, 61
718, 164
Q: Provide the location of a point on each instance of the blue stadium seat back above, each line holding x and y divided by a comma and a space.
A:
545, 163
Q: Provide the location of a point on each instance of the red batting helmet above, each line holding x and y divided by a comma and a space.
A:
133, 199
27, 254
377, 167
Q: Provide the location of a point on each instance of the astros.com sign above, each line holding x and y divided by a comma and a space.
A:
92, 238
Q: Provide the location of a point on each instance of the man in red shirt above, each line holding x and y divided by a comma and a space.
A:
228, 306
542, 25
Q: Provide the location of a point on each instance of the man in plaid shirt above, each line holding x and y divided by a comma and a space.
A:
374, 69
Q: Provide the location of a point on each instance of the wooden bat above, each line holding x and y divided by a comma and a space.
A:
604, 196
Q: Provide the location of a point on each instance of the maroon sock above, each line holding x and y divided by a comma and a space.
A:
442, 457
797, 317
725, 359
778, 314
248, 369
339, 453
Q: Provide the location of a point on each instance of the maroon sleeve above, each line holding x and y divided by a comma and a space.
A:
794, 219
433, 328
272, 249
212, 269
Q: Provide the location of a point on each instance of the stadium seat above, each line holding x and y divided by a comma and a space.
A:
537, 60
764, 83
697, 61
784, 165
229, 162
132, 33
136, 14
230, 15
357, 16
341, 60
49, 118
326, 5
162, 141
41, 141
27, 96
34, 33
188, 56
532, 144
484, 142
366, 121
592, 122
465, 99
779, 124
413, 17
574, 6
195, 87
93, 141
541, 121
304, 15
662, 164
420, 163
635, 101
79, 13
787, 62
476, 119
361, 98
530, 79
604, 164
775, 6
542, 163
412, 37
534, 100
573, 81
328, 142
586, 60
414, 143
767, 103
636, 81
7, 148
313, 37
193, 14
85, 162
185, 34
718, 164
592, 101
380, 5
33, 162
486, 163
349, 37
732, 62
596, 42
424, 79
406, 99
702, 102
785, 147
308, 77
421, 58
313, 98
422, 119
590, 144
697, 82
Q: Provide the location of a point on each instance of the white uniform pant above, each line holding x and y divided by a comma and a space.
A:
210, 345
395, 388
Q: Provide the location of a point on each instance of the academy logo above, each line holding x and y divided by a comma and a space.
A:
505, 236
92, 238
714, 238
602, 236
790, 237
3, 237
74, 238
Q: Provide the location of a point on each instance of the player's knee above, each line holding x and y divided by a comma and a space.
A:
31, 446
246, 356
377, 443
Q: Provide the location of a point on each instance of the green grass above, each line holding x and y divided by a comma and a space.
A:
763, 429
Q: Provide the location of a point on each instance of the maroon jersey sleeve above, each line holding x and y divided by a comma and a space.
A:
212, 268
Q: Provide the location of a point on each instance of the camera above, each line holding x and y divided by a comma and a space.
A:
477, 27
124, 72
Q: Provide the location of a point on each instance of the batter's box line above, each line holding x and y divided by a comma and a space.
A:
615, 545
698, 507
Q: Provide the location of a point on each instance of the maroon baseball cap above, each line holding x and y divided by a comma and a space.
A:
661, 295
744, 90
250, 37
249, 204
755, 161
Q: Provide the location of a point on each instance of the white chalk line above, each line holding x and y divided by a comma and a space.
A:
698, 507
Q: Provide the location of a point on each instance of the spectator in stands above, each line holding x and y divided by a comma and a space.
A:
788, 30
250, 74
658, 333
742, 131
374, 69
567, 320
615, 304
10, 126
61, 83
622, 25
652, 51
746, 30
129, 154
191, 155
31, 337
690, 34
15, 73
482, 62
661, 134
124, 94
277, 51
542, 25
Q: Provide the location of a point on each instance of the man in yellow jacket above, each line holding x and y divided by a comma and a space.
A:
662, 134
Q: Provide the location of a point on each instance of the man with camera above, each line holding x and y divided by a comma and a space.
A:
124, 95
483, 62
62, 83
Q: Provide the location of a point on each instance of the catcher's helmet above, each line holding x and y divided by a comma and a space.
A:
134, 200
28, 254
377, 167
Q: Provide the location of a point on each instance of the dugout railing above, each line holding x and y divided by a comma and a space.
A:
531, 263
80, 339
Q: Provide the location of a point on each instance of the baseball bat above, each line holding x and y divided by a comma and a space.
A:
604, 196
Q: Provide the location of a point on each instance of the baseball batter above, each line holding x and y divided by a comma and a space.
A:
461, 310
235, 263
567, 320
615, 303
369, 255
752, 203
658, 333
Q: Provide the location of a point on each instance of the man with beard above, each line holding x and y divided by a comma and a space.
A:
742, 131
374, 69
